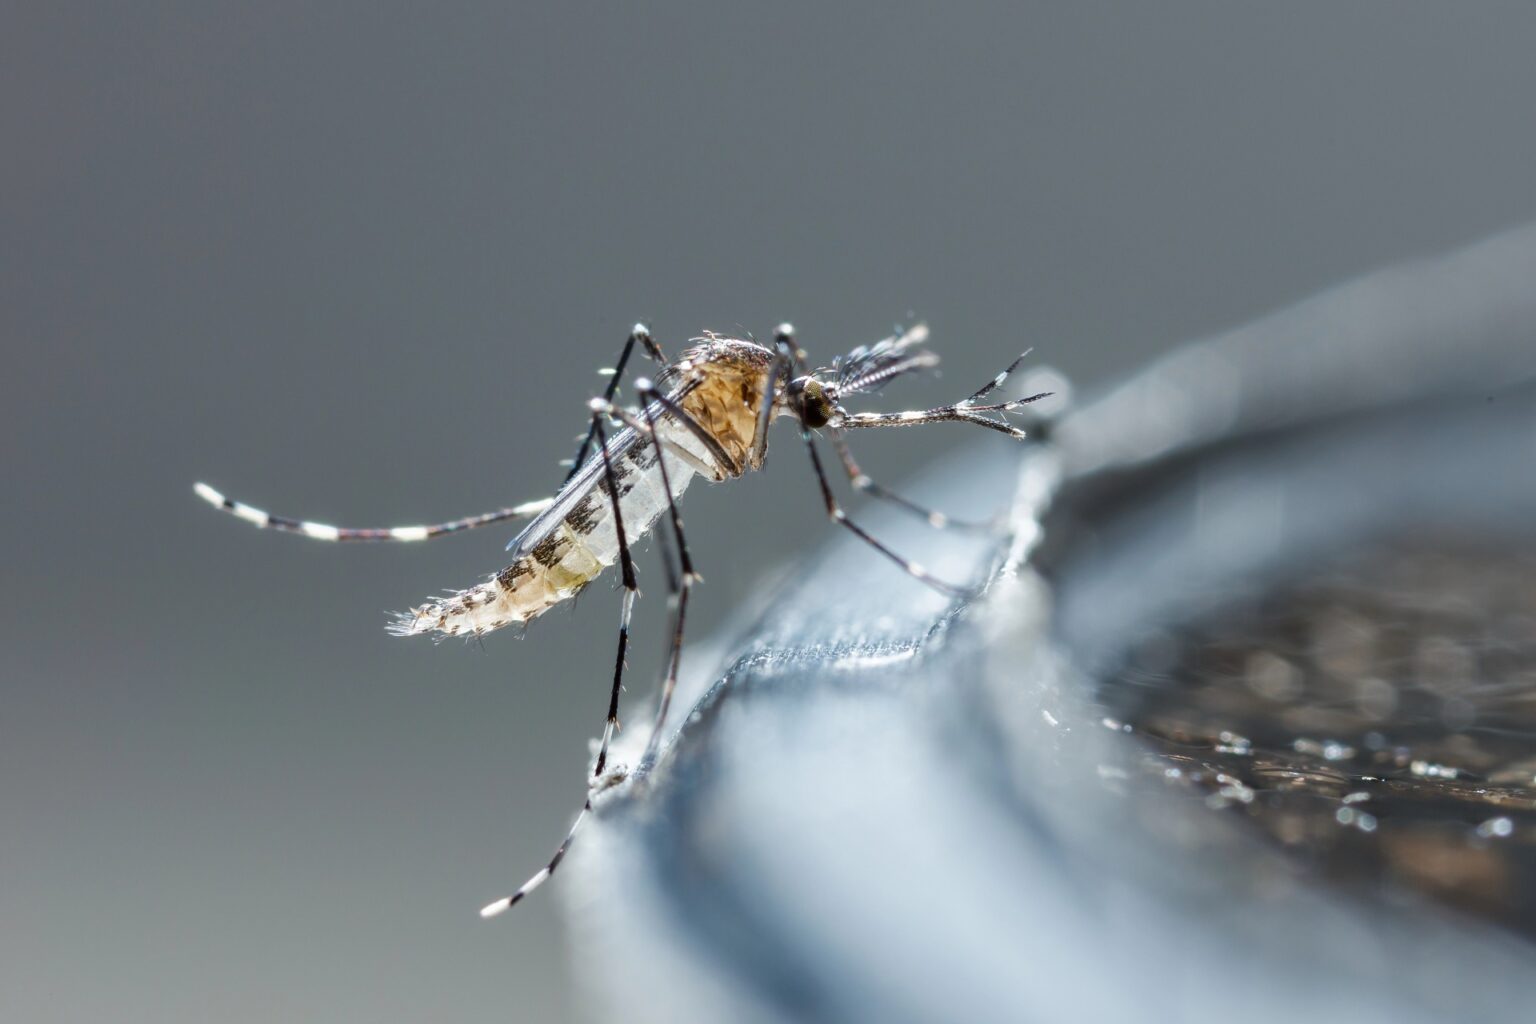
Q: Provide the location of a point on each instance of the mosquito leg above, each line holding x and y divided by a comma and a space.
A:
544, 873
837, 515
600, 782
724, 466
676, 604
627, 570
324, 531
861, 482
967, 411
686, 575
680, 584
640, 335
674, 658
668, 568
786, 354
959, 413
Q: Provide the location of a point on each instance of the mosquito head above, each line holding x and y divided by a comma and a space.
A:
811, 400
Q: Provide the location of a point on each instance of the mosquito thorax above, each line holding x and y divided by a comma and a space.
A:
811, 401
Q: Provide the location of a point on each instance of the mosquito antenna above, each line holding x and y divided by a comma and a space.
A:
875, 379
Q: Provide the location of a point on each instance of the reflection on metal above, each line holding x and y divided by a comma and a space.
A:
1244, 725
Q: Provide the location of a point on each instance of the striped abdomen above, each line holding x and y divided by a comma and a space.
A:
719, 388
569, 545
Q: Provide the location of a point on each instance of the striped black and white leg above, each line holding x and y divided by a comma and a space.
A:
971, 410
669, 568
640, 335
786, 354
543, 874
324, 531
687, 577
837, 515
601, 779
863, 484
724, 464
679, 584
631, 591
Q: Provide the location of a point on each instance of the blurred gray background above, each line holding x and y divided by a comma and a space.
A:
359, 264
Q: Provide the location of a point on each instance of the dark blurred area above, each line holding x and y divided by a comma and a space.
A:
359, 263
1392, 694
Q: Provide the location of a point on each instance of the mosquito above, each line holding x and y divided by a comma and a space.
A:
706, 414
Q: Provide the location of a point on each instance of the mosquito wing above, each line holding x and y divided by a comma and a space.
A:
633, 458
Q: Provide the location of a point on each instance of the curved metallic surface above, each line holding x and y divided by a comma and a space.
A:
890, 807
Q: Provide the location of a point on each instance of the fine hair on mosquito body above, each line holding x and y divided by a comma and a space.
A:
708, 414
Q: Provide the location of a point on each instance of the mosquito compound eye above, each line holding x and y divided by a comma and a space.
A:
811, 402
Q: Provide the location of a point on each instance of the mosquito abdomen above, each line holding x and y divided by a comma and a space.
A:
558, 558
522, 591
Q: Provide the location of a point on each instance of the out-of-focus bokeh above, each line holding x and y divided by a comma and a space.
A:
360, 264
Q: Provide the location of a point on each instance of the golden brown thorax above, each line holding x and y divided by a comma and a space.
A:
729, 393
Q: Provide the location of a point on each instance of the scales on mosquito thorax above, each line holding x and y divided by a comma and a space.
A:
707, 414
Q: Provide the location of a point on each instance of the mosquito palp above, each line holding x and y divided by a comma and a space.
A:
707, 414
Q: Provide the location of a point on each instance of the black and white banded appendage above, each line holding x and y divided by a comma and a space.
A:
969, 410
599, 785
324, 531
640, 335
679, 583
837, 515
861, 482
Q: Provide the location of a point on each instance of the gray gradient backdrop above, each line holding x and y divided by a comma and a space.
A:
360, 264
